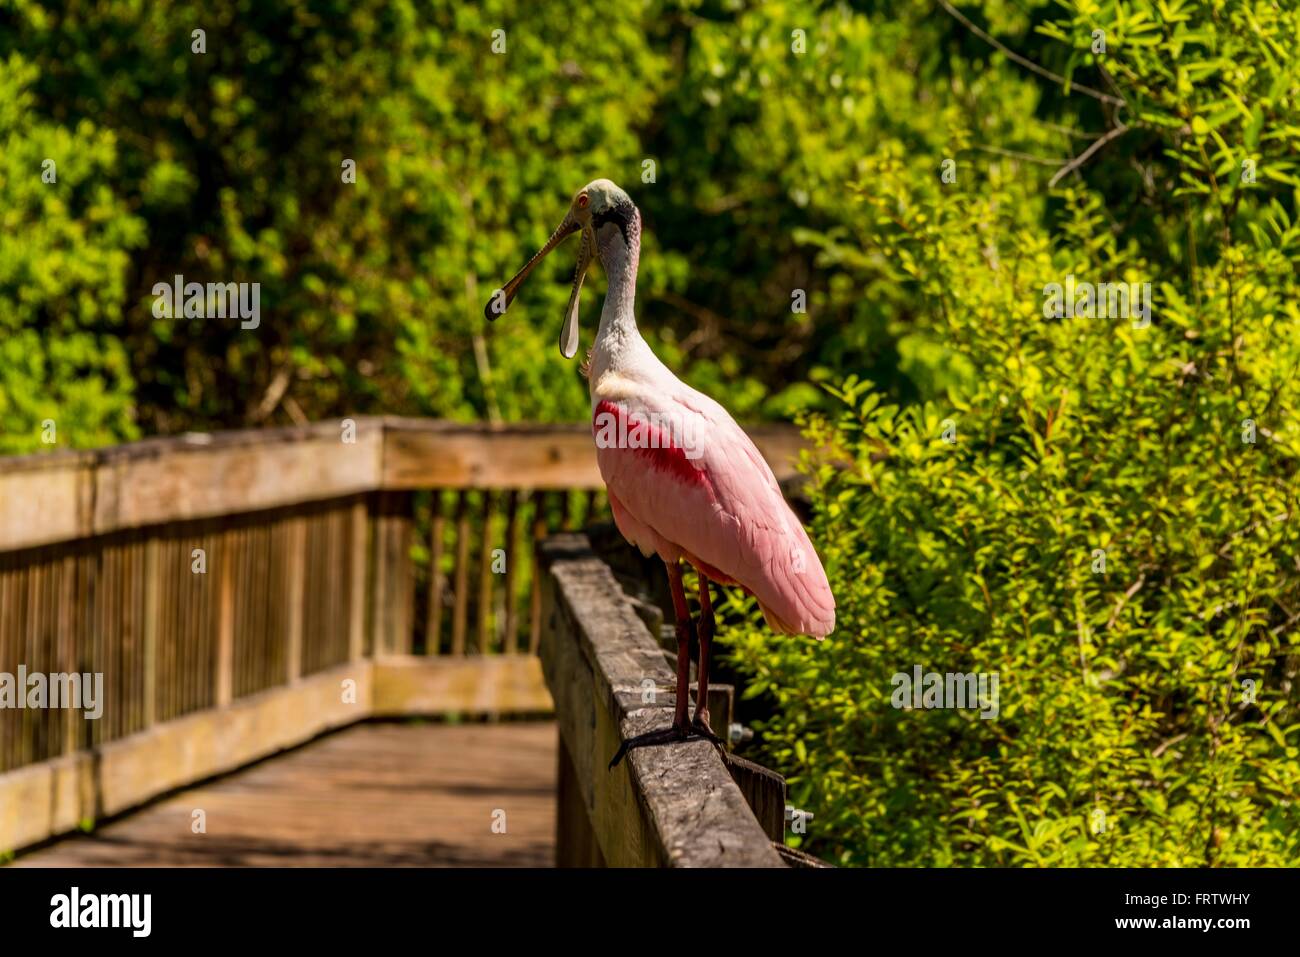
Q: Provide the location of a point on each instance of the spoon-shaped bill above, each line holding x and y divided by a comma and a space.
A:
502, 298
569, 332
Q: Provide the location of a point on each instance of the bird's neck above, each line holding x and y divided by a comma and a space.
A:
618, 341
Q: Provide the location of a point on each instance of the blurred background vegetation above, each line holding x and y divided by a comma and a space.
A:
1149, 710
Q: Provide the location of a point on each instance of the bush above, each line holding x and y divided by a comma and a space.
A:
66, 239
1103, 514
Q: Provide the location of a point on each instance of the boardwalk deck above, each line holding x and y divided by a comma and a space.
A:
383, 795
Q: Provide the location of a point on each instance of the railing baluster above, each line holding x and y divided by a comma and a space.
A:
36, 660
29, 583
185, 583
359, 571
67, 643
131, 636
99, 624
6, 629
485, 577
566, 509
437, 533
225, 658
510, 637
334, 650
462, 574
535, 590
296, 548
393, 575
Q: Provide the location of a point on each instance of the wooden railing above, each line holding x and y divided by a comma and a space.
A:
678, 806
241, 592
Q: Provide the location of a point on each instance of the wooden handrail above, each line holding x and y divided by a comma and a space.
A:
65, 496
674, 806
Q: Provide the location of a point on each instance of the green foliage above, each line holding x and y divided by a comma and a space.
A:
64, 250
1124, 691
231, 160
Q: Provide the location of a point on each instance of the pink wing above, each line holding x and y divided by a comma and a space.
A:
686, 482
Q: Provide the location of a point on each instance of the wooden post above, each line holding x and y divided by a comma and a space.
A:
575, 840
764, 792
721, 707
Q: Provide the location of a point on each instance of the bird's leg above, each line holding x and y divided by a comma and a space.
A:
702, 672
684, 626
681, 729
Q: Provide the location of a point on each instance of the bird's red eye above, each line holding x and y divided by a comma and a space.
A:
583, 200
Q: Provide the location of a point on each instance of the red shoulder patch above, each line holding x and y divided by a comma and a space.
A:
613, 426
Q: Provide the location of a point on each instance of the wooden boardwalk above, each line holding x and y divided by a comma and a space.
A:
381, 795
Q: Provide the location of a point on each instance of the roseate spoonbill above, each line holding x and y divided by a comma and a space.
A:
684, 481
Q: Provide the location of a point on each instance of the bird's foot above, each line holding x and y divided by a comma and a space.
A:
669, 735
701, 728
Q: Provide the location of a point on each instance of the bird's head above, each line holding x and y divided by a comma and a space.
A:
610, 225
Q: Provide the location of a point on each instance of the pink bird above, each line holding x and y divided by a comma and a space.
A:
685, 482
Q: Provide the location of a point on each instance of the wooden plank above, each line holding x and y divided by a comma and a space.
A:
54, 497
764, 792
48, 498
426, 453
420, 454
674, 805
50, 797
452, 780
575, 839
495, 684
45, 498
54, 796
227, 473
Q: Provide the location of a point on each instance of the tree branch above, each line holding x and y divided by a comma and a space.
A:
1083, 157
1027, 63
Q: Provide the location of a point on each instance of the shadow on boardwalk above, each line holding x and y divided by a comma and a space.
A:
373, 795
